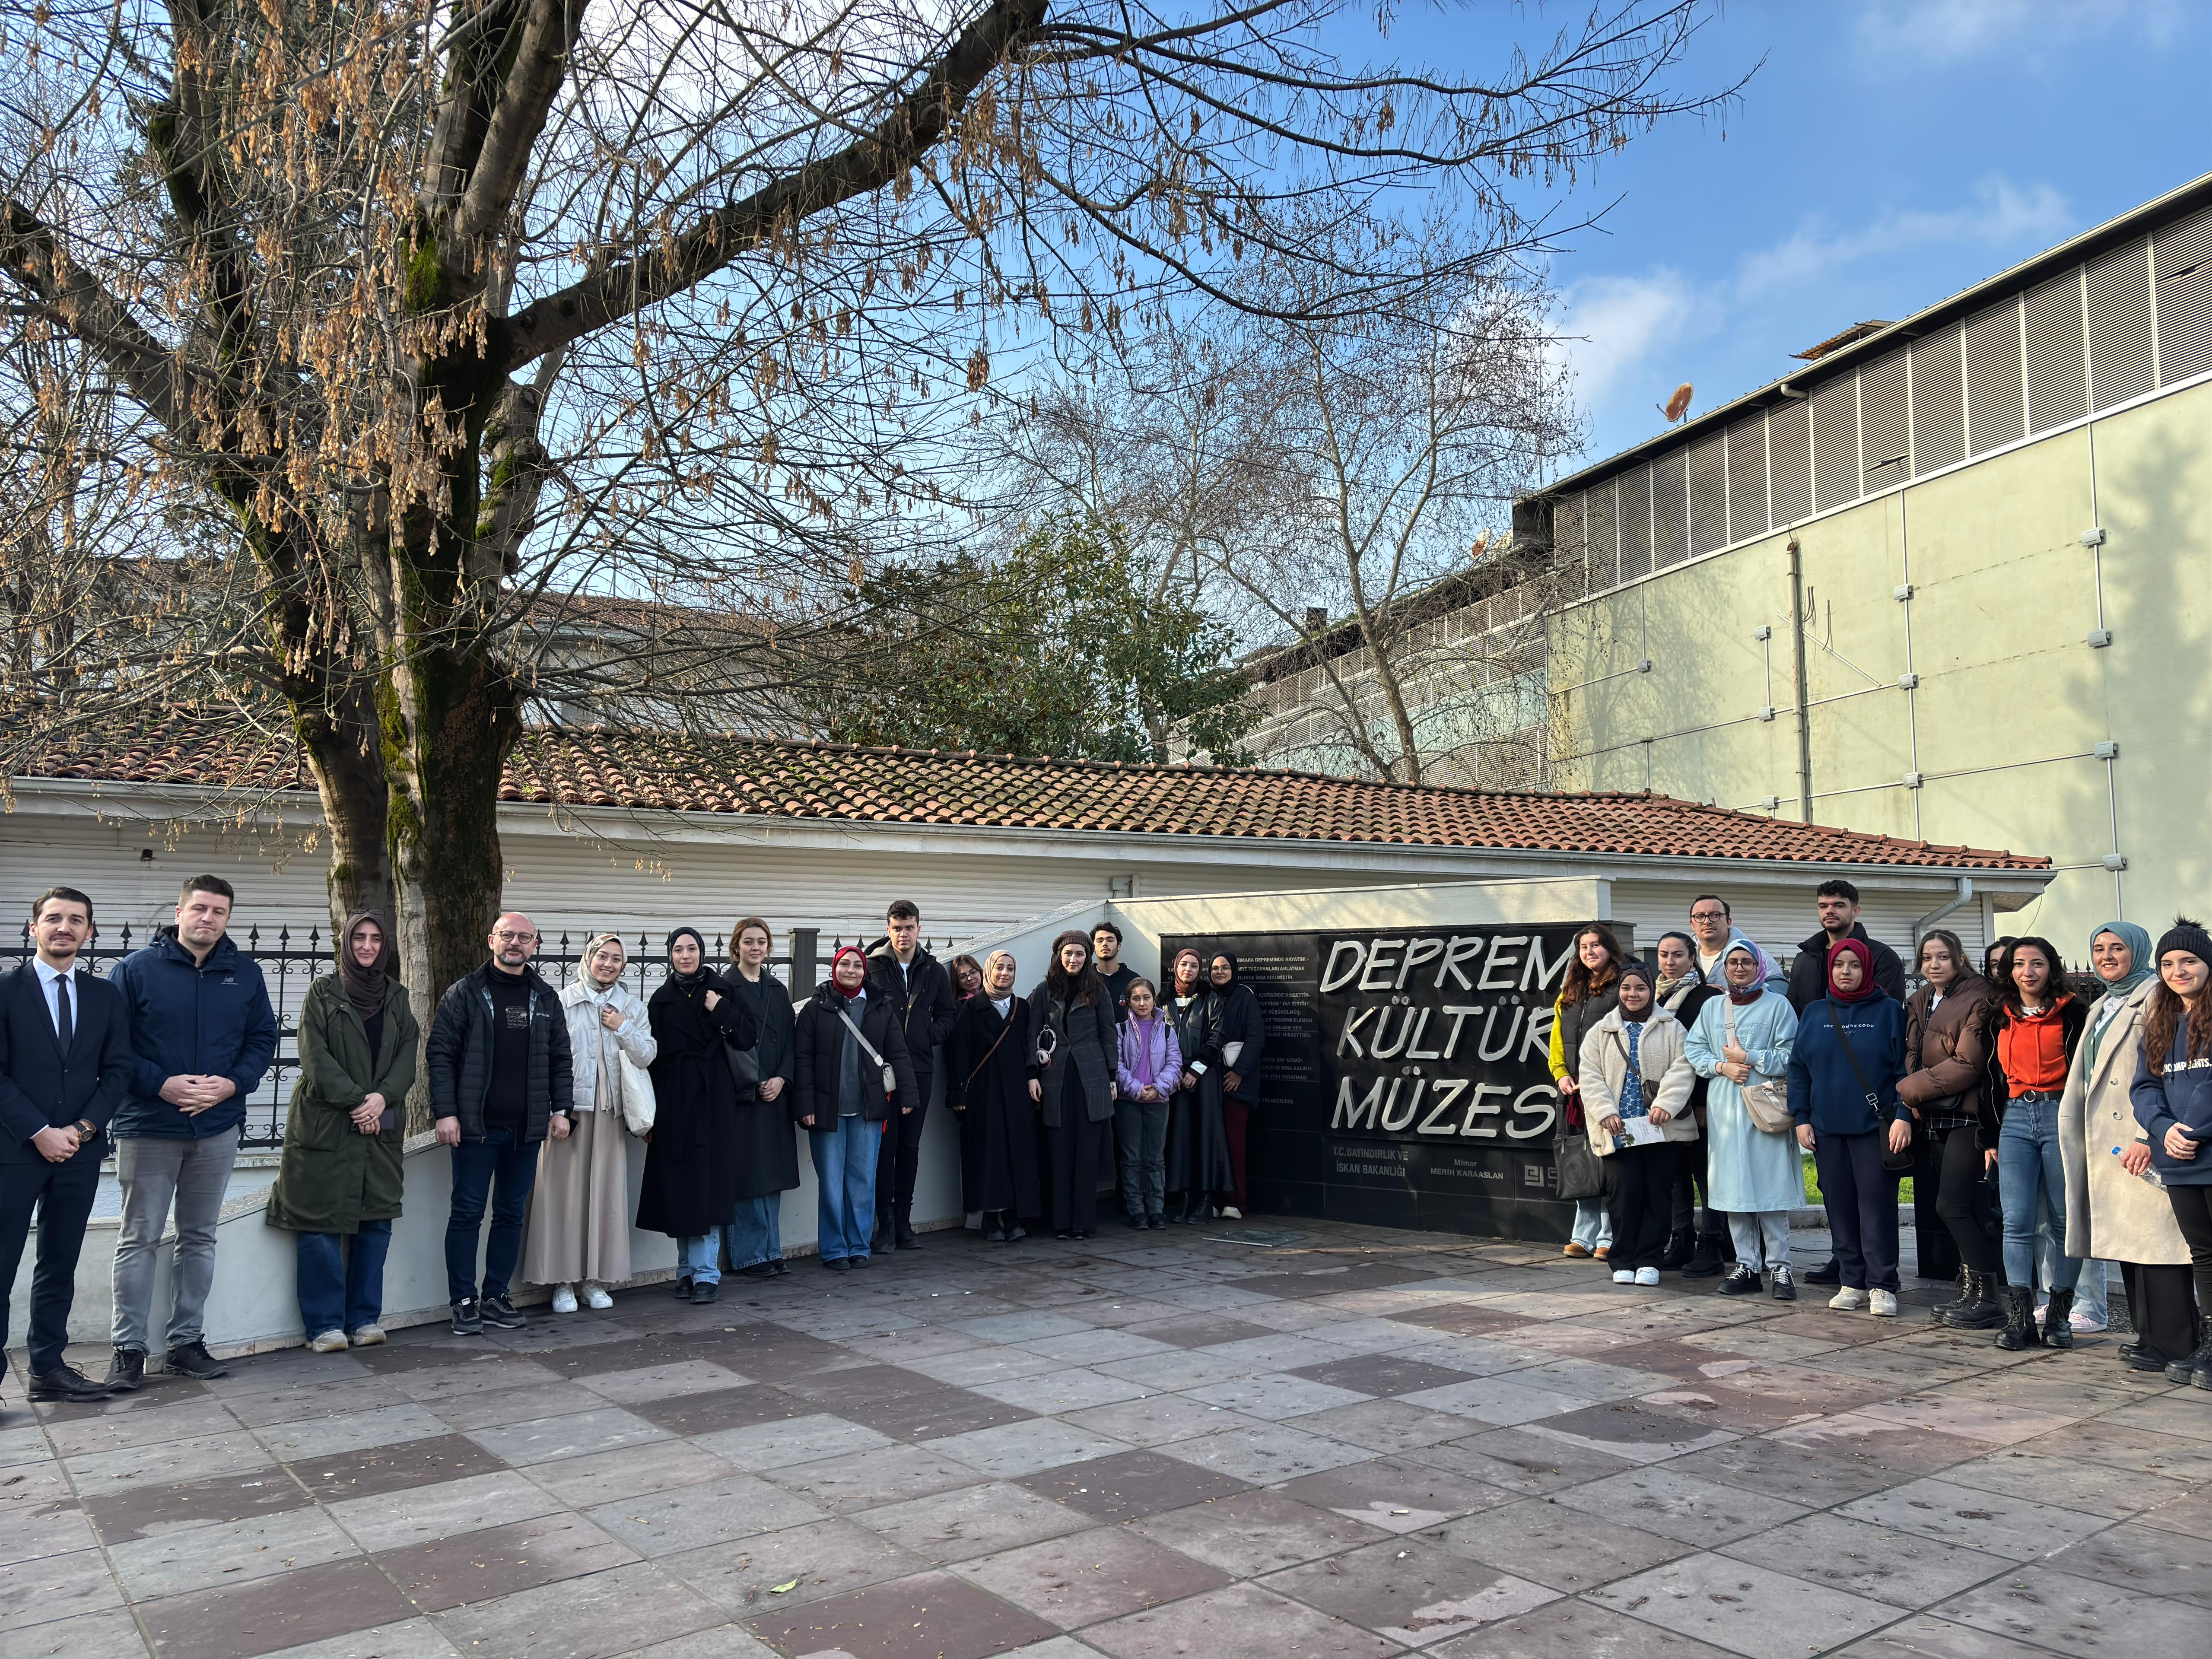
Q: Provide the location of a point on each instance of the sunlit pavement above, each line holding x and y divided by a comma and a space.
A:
1160, 1445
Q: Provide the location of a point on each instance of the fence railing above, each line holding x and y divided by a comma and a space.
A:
289, 963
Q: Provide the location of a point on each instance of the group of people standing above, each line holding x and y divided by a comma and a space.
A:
1707, 1073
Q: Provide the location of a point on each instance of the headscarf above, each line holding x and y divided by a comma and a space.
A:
1175, 979
1634, 969
1206, 976
1756, 989
842, 952
592, 948
1664, 988
1769, 969
1866, 987
2141, 965
364, 987
674, 934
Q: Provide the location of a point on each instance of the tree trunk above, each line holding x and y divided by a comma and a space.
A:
345, 750
451, 718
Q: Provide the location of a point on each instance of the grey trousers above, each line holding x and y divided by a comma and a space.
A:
1141, 1137
1762, 1238
154, 1173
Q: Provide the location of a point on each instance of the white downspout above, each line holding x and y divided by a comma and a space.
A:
1959, 900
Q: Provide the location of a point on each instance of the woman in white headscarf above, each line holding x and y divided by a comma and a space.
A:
580, 1208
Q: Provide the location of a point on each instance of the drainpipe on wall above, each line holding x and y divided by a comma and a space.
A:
1959, 900
1804, 709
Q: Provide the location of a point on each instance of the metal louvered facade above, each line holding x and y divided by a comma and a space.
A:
2131, 318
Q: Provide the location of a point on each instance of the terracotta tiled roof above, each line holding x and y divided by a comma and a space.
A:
767, 777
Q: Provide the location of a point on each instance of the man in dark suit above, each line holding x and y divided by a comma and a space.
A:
64, 1063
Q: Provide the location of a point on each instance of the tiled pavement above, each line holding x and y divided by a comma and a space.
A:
1356, 1444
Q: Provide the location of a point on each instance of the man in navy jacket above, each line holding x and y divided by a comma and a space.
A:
203, 1034
64, 1063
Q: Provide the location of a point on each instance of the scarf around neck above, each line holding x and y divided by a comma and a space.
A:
364, 987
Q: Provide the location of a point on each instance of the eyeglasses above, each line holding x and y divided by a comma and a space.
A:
1708, 915
513, 938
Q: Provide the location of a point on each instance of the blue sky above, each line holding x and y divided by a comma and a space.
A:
1889, 153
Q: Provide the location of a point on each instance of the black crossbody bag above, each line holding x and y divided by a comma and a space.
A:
1895, 1162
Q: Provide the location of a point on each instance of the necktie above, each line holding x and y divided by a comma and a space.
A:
62, 1022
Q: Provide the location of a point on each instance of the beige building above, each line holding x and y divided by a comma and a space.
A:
1951, 582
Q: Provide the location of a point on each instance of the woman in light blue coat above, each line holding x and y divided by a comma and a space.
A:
1755, 1175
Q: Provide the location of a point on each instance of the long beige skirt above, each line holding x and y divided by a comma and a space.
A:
579, 1209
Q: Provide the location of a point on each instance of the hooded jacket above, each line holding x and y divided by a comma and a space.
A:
2173, 1089
460, 1055
333, 1177
922, 1002
187, 1018
1825, 1090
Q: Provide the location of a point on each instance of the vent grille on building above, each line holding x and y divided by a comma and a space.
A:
2129, 322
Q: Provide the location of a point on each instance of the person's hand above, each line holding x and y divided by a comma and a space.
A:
2179, 1146
1113, 1091
557, 1125
1736, 1053
2137, 1158
1735, 1071
1036, 1090
1231, 1082
1149, 1093
448, 1131
1569, 1087
57, 1146
714, 1000
1900, 1133
806, 1122
1611, 1124
957, 1105
1190, 1080
1988, 1160
1661, 1115
366, 1114
906, 1111
612, 1016
1805, 1136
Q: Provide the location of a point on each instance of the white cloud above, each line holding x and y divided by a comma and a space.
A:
1911, 35
2002, 216
1612, 326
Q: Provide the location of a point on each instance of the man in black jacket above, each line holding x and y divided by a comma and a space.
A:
500, 1082
918, 991
1106, 956
1839, 902
65, 1063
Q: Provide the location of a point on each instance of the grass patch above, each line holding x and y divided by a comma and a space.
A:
1813, 1183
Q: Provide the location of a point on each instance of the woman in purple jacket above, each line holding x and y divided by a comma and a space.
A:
1151, 1061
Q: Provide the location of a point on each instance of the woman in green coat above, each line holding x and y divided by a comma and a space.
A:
341, 1176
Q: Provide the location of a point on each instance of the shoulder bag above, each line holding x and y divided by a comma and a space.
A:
891, 1077
1893, 1162
1766, 1100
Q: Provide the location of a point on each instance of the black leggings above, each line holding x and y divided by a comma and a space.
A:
2192, 1213
1961, 1179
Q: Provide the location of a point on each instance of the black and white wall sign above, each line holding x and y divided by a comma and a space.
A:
1405, 1081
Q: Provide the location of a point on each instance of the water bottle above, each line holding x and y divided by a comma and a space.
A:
2149, 1174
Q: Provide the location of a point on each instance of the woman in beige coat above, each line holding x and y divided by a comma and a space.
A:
580, 1208
2111, 1209
1635, 1080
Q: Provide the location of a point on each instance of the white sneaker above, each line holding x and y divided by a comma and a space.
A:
1647, 1276
1885, 1303
368, 1336
329, 1342
1623, 1276
595, 1296
2086, 1324
1848, 1300
1230, 1213
564, 1298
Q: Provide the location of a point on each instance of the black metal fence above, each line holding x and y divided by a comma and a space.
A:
290, 964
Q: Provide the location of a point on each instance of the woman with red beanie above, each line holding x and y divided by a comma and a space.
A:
853, 1072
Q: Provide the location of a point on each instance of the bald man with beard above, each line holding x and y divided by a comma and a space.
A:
499, 1080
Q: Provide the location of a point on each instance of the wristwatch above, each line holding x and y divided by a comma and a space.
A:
86, 1129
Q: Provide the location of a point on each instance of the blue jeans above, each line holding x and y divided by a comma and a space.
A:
335, 1296
497, 1168
845, 1171
700, 1260
1593, 1224
755, 1231
2028, 1167
1140, 1136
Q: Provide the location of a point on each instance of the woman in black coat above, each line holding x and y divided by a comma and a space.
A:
1072, 1076
768, 1147
1198, 1146
839, 1096
1682, 992
691, 1156
1243, 1037
987, 1082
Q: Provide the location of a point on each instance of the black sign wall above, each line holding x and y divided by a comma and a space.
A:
1405, 1081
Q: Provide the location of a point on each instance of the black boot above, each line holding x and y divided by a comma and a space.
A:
2018, 1330
1829, 1273
1944, 1310
1979, 1311
1681, 1247
1705, 1259
903, 1227
2186, 1370
2057, 1324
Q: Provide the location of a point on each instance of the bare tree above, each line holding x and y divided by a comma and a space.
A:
449, 308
